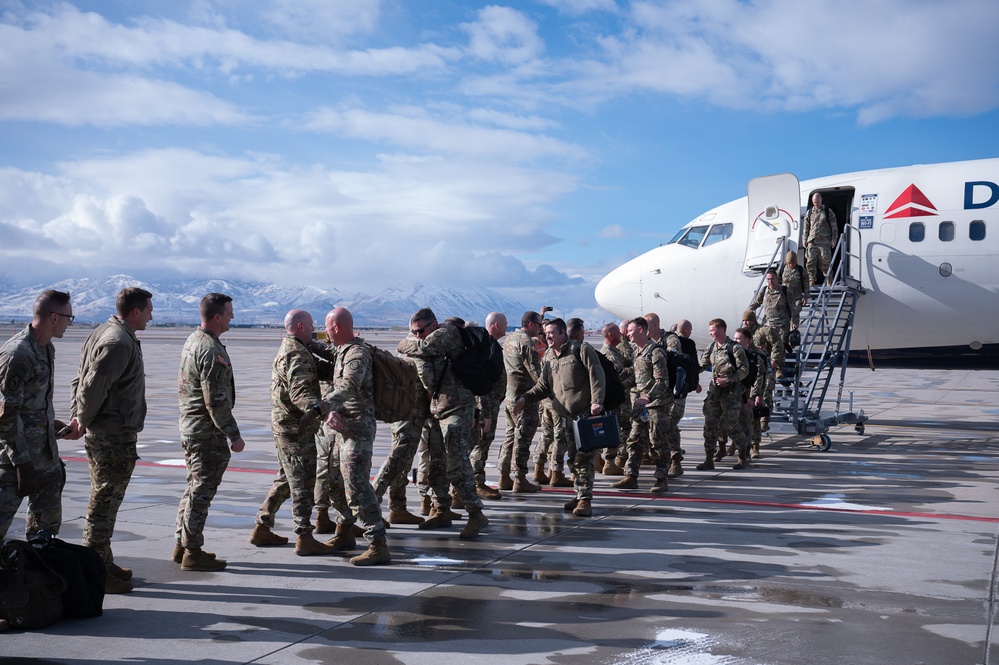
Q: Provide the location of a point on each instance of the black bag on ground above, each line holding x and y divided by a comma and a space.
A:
30, 591
480, 366
81, 567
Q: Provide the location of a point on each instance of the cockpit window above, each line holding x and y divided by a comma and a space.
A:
693, 236
718, 233
679, 234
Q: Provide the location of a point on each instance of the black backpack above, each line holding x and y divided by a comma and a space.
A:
480, 366
683, 370
751, 360
614, 393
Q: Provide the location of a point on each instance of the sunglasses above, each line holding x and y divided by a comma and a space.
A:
419, 331
68, 316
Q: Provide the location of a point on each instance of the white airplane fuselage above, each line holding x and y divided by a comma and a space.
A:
923, 245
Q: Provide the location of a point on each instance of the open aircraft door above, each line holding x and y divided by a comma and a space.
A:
774, 213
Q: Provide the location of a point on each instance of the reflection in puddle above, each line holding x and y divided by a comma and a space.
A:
836, 501
427, 560
675, 646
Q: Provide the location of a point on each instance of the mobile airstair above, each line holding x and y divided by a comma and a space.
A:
815, 372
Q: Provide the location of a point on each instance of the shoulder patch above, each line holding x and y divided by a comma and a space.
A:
13, 384
222, 360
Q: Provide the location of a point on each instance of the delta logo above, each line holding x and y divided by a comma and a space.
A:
911, 203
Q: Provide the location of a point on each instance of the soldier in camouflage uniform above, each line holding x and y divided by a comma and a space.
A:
777, 323
577, 387
520, 357
652, 394
680, 342
819, 233
484, 428
626, 372
792, 277
723, 404
109, 405
206, 391
628, 353
394, 472
753, 396
30, 465
350, 412
451, 412
295, 390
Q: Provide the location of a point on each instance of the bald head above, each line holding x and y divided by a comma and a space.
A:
496, 324
340, 325
684, 327
298, 323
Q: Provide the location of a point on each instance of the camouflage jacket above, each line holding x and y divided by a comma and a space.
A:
27, 416
794, 279
429, 355
353, 390
759, 387
652, 375
624, 366
717, 357
775, 306
109, 391
523, 366
206, 389
295, 378
819, 226
573, 385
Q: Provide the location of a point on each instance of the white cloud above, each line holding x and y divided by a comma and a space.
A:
504, 35
612, 232
579, 7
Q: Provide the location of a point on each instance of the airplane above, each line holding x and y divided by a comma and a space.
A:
920, 246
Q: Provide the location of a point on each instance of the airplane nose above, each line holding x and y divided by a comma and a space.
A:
620, 292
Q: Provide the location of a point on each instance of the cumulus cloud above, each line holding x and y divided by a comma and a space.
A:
505, 35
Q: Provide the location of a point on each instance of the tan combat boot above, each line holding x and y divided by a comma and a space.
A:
119, 572
558, 479
426, 505
377, 553
756, 450
262, 536
660, 487
196, 560
323, 522
402, 516
505, 482
343, 539
708, 464
486, 492
675, 467
437, 520
629, 482
178, 553
612, 468
114, 585
307, 545
598, 464
540, 477
570, 505
743, 462
583, 508
456, 501
476, 523
523, 486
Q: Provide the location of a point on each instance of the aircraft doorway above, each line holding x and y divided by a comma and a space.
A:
840, 201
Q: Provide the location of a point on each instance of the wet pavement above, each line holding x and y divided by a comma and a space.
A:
882, 550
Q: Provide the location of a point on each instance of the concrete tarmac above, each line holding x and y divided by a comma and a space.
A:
882, 550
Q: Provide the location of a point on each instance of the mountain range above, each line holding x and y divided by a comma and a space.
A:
265, 304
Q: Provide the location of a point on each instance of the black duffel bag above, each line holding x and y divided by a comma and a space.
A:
30, 591
81, 567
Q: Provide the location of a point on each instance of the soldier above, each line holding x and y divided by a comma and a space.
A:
484, 428
775, 329
206, 392
295, 377
520, 357
392, 475
757, 383
612, 349
30, 465
628, 352
819, 232
576, 385
652, 396
679, 342
451, 413
792, 277
723, 404
350, 413
109, 405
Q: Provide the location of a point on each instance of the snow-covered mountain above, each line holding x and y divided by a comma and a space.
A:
265, 304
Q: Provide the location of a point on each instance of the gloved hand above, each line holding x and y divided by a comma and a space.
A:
27, 479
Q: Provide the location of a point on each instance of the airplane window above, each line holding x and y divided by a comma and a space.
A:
694, 236
946, 231
718, 233
679, 234
977, 230
917, 232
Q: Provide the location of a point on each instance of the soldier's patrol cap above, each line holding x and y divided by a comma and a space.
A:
791, 256
749, 315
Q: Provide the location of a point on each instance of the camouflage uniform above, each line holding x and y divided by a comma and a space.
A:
627, 350
793, 279
678, 406
393, 474
295, 388
820, 231
523, 367
551, 446
206, 391
573, 386
27, 433
353, 399
109, 399
723, 405
330, 489
451, 415
776, 326
481, 438
652, 382
626, 372
751, 424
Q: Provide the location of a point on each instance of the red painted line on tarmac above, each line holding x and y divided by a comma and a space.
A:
679, 499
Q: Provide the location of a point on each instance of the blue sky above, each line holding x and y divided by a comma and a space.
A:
527, 147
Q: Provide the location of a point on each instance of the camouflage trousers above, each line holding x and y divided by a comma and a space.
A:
324, 457
722, 419
480, 440
580, 462
111, 458
207, 460
394, 472
44, 504
817, 257
676, 410
520, 431
296, 479
551, 447
448, 446
656, 430
772, 342
351, 462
